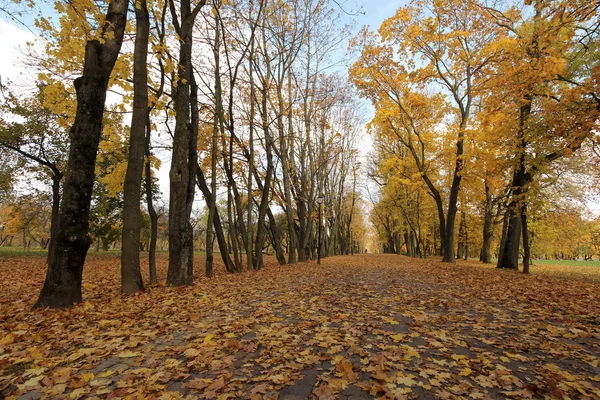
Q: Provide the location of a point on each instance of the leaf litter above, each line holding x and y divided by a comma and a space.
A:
381, 326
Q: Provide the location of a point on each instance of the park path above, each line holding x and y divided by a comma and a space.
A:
354, 327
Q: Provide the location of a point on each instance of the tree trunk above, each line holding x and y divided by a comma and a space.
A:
249, 230
266, 189
151, 210
286, 171
526, 253
276, 237
56, 179
182, 174
488, 216
509, 257
213, 154
62, 287
131, 277
448, 242
221, 240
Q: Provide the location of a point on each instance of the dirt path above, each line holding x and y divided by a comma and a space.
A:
354, 327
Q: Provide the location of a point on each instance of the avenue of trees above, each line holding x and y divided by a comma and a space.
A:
482, 111
484, 125
255, 120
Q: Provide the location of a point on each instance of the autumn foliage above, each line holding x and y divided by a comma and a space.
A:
370, 325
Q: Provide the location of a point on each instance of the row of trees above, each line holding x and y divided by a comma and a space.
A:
251, 115
557, 230
477, 107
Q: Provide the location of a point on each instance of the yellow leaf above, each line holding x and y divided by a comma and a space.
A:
406, 381
198, 384
8, 339
56, 390
208, 339
128, 354
106, 374
398, 338
31, 383
191, 353
87, 377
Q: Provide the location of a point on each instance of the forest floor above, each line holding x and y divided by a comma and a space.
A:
354, 327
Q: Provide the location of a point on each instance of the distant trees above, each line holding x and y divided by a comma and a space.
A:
33, 135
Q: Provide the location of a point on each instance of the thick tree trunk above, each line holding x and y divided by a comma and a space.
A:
182, 174
509, 257
407, 244
62, 287
131, 277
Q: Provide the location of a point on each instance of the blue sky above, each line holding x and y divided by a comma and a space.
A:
374, 11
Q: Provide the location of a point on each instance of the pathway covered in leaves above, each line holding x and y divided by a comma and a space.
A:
354, 327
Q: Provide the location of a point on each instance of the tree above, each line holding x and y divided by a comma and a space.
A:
62, 287
26, 218
449, 76
131, 278
549, 98
31, 131
182, 175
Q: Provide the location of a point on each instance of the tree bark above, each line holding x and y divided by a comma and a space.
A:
488, 216
56, 179
448, 241
62, 287
182, 174
249, 230
526, 252
212, 205
151, 211
266, 189
131, 277
510, 255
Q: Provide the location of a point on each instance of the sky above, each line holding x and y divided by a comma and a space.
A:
14, 39
11, 47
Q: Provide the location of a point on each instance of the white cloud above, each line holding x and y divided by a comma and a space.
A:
12, 47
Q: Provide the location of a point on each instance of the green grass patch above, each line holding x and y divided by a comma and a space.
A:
37, 252
572, 263
19, 251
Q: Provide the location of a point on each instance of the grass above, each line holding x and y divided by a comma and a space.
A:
588, 271
573, 263
20, 251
